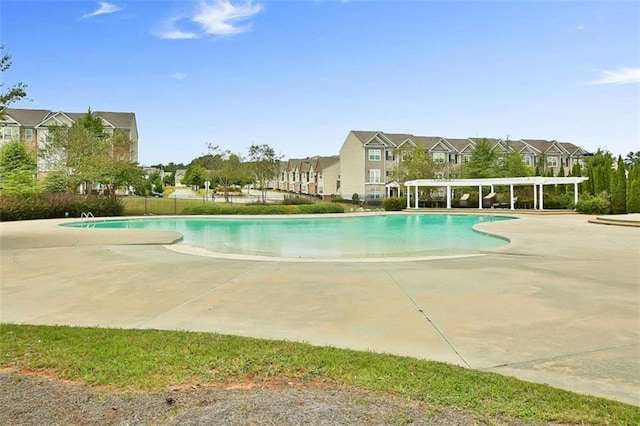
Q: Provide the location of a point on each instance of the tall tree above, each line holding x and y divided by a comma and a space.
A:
418, 164
230, 171
633, 189
483, 161
619, 189
88, 155
15, 92
513, 165
17, 168
599, 173
265, 166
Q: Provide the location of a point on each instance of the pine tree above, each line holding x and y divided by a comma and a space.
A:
619, 189
633, 189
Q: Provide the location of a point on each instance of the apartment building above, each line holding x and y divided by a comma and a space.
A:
315, 176
368, 159
33, 126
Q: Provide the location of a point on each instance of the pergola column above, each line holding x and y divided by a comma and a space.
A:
408, 197
448, 197
511, 195
535, 196
575, 193
541, 197
415, 201
480, 197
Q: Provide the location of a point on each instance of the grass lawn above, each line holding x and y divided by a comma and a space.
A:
139, 206
151, 360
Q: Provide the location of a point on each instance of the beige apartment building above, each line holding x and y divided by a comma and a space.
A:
33, 126
316, 176
368, 159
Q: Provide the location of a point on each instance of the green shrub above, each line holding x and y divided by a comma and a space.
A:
355, 198
594, 204
338, 199
289, 200
50, 206
321, 208
561, 201
259, 209
394, 204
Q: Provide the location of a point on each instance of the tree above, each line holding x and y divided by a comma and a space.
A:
265, 166
619, 189
513, 165
418, 164
15, 92
229, 171
632, 158
599, 173
17, 168
89, 155
483, 161
633, 189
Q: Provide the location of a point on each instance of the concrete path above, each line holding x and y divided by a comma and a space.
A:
559, 305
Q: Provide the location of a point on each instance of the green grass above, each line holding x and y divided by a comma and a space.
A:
137, 206
151, 360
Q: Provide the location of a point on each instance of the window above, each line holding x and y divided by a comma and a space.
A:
6, 133
374, 194
405, 154
552, 161
28, 135
374, 176
466, 158
390, 156
438, 157
320, 190
389, 173
527, 160
375, 155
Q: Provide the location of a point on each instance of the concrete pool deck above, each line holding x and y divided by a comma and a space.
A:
560, 304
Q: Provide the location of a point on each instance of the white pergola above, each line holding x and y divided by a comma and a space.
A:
538, 183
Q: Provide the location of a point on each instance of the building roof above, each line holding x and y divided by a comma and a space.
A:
33, 117
27, 117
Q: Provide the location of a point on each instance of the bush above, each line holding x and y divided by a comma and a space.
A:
294, 200
256, 209
594, 204
394, 204
51, 206
321, 208
338, 199
562, 201
355, 198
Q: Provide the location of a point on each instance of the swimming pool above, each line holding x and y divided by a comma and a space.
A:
325, 237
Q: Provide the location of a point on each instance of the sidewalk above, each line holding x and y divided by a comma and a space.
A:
559, 305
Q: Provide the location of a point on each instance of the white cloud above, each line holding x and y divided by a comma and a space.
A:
178, 75
170, 32
215, 17
621, 76
220, 17
104, 9
580, 27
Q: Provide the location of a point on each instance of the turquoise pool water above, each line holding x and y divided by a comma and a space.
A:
326, 237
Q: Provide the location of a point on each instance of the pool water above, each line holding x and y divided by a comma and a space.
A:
326, 237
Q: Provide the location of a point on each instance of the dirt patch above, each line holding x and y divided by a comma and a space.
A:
35, 400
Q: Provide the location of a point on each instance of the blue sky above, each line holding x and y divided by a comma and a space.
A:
299, 75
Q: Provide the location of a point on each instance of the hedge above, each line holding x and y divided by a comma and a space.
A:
51, 206
260, 209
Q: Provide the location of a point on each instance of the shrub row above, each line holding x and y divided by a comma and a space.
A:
258, 209
594, 204
50, 206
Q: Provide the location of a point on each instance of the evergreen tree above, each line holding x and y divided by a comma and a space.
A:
561, 172
483, 162
633, 189
17, 168
619, 189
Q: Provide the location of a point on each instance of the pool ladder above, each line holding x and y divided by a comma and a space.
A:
86, 217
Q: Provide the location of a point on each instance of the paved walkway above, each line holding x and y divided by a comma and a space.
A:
560, 304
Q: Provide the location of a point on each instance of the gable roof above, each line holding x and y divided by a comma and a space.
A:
27, 117
34, 117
